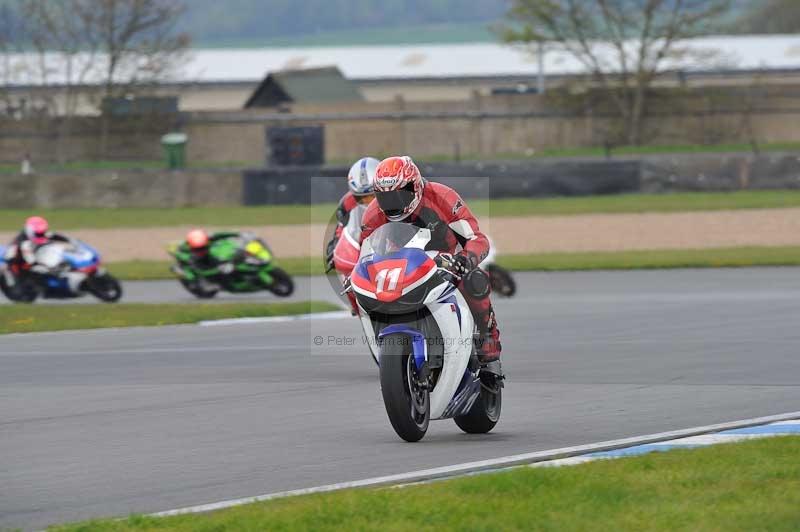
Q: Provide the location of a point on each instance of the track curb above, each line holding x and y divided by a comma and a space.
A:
489, 465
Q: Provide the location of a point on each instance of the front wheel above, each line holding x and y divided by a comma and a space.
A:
407, 403
485, 412
105, 288
282, 283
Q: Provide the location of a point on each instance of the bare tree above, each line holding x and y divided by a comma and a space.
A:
10, 30
622, 43
139, 41
59, 32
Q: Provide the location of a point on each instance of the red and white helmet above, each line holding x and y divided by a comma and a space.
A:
198, 241
398, 187
36, 229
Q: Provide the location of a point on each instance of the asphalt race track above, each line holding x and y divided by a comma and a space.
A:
172, 292
141, 420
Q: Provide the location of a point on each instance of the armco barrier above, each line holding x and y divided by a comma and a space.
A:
472, 180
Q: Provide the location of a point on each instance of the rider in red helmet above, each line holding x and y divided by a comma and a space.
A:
403, 195
21, 253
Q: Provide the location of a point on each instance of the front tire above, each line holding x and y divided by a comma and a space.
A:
106, 288
282, 283
485, 412
407, 406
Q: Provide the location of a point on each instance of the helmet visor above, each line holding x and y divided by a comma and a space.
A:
395, 202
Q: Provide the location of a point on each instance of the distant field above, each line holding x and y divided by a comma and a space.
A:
11, 219
751, 485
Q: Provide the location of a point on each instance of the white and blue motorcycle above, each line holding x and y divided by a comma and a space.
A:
422, 335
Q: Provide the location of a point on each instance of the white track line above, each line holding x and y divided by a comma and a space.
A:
334, 315
485, 465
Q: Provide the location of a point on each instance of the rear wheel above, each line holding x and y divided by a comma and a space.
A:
22, 292
407, 403
282, 283
502, 281
105, 288
485, 413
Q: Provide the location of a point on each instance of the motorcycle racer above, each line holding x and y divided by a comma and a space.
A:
402, 194
195, 250
21, 252
360, 179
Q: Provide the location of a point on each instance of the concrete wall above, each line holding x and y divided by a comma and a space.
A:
48, 140
128, 188
164, 189
482, 126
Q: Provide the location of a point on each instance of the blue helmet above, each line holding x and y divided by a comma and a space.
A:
361, 176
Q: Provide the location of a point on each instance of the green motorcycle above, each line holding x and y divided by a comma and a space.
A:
236, 263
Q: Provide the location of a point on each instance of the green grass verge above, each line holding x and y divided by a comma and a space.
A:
37, 318
66, 219
596, 260
633, 260
752, 485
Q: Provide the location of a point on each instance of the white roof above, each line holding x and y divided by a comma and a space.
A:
449, 60
479, 59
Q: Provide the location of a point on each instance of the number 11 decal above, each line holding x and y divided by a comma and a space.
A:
380, 280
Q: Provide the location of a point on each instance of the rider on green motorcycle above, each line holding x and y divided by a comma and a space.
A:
230, 261
196, 252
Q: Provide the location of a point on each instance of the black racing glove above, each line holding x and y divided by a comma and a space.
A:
458, 264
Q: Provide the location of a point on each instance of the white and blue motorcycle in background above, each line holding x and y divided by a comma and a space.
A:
62, 270
422, 335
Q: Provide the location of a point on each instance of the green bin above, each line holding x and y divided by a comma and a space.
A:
175, 150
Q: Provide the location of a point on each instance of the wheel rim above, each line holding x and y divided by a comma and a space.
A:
418, 397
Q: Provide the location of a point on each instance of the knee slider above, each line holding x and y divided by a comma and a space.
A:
477, 283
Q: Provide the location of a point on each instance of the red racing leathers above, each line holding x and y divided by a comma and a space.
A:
454, 229
346, 205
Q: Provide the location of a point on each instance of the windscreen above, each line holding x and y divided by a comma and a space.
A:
392, 237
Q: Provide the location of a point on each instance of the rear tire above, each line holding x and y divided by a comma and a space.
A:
409, 410
502, 281
197, 291
105, 288
282, 283
485, 412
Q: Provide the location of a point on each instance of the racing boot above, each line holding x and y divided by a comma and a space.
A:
488, 344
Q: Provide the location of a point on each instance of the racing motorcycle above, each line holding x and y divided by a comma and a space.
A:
61, 270
345, 256
242, 264
421, 334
